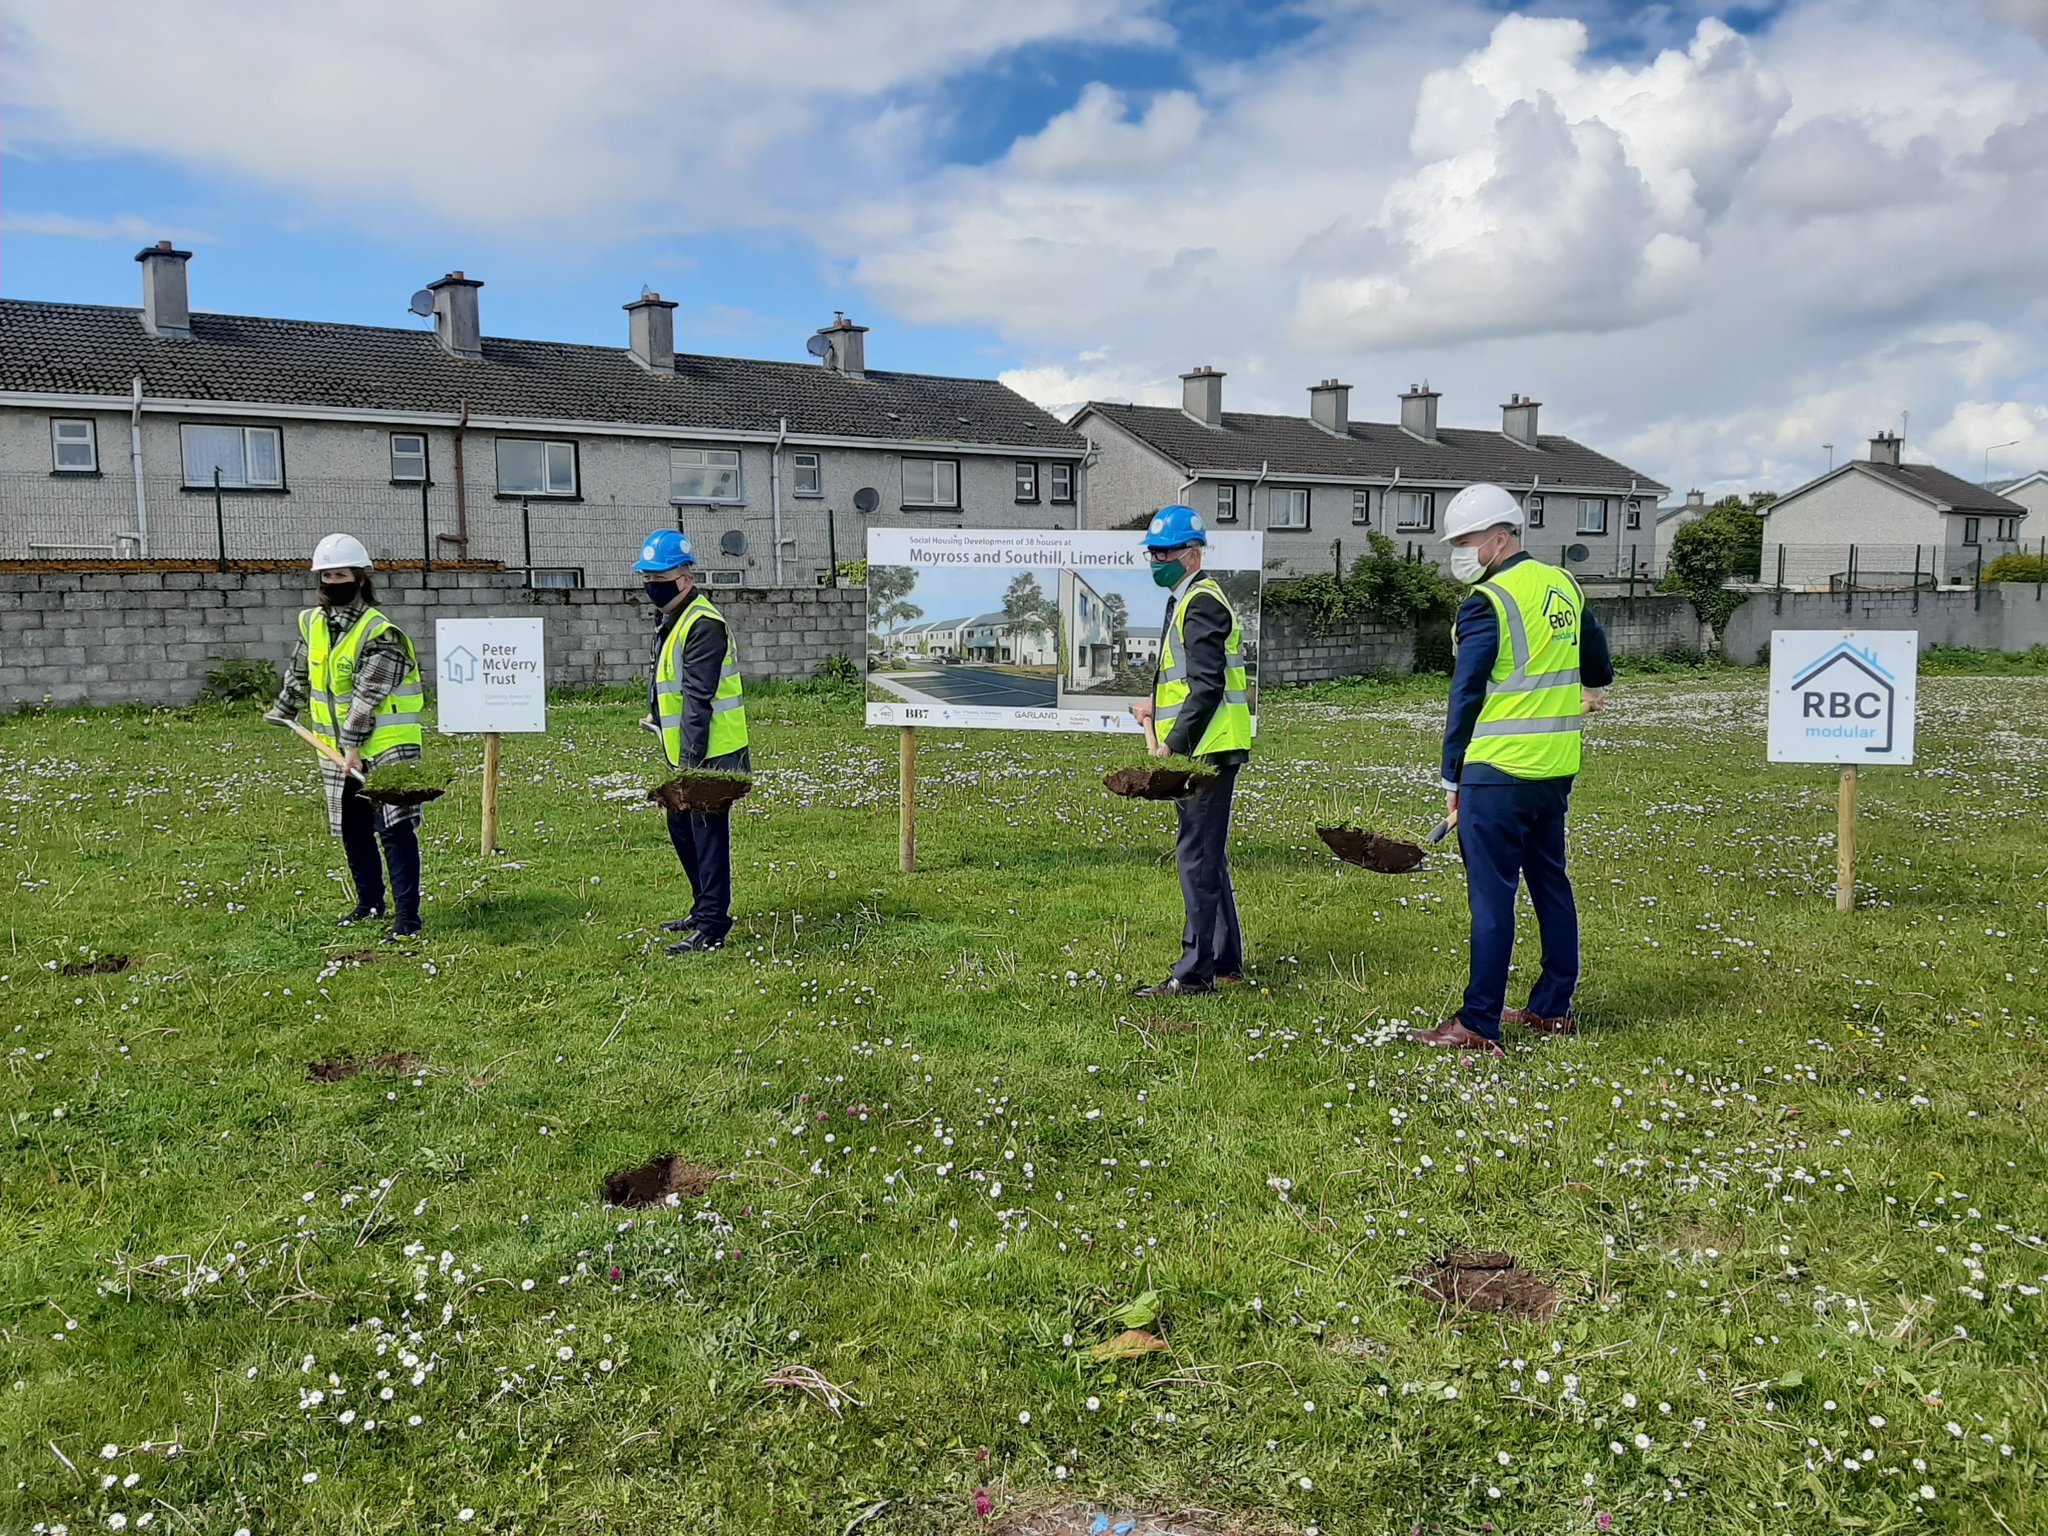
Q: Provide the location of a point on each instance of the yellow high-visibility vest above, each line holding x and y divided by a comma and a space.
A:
1529, 724
728, 706
1230, 728
331, 669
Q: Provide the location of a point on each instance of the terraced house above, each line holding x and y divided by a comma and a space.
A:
164, 432
1317, 480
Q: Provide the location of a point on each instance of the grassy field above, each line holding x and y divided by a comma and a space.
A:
1789, 1181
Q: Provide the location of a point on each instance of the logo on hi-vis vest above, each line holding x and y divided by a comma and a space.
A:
1559, 611
1847, 696
344, 674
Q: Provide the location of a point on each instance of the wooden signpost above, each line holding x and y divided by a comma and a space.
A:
493, 679
906, 790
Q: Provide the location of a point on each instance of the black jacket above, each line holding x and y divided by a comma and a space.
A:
1208, 647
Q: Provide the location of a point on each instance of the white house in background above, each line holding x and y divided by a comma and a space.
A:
1670, 520
1087, 625
941, 637
1141, 645
1900, 518
2030, 491
911, 639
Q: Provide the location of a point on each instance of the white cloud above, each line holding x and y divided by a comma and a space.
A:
1064, 388
127, 226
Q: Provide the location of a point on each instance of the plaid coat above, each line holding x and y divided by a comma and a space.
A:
380, 668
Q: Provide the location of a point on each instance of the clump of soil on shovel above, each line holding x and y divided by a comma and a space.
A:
1158, 780
654, 1181
705, 791
1369, 850
99, 965
341, 1068
1487, 1282
411, 783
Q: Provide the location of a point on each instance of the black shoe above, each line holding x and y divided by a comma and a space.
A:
1173, 986
364, 913
680, 925
695, 944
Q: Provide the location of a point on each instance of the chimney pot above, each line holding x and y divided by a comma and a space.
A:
1201, 395
166, 302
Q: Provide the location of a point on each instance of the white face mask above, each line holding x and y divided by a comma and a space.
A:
1466, 566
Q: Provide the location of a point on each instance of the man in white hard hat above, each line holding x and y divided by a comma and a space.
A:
358, 675
1531, 662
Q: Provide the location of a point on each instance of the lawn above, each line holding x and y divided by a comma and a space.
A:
1789, 1182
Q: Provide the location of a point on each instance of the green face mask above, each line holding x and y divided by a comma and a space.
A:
1167, 573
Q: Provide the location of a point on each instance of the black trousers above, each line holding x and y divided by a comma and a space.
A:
361, 832
704, 845
1211, 943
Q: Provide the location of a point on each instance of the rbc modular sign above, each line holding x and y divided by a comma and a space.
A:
1843, 696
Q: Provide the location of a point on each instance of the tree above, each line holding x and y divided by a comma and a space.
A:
889, 587
1724, 545
1026, 608
1119, 622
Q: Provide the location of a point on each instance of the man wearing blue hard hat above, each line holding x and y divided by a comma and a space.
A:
1200, 708
698, 709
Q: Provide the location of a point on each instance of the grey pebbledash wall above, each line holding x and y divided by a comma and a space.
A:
2004, 616
150, 637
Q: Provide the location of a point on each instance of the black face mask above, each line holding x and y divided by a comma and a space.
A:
662, 593
339, 594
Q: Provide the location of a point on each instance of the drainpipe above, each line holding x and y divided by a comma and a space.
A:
775, 491
1251, 513
135, 466
462, 487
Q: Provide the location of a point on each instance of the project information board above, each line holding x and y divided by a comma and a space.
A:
1029, 629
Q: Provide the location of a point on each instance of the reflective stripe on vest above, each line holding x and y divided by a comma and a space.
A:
1529, 723
331, 672
1230, 727
728, 704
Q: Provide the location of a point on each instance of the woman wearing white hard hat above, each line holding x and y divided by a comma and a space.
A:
358, 676
1531, 662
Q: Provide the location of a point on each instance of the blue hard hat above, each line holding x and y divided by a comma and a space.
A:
1173, 526
665, 549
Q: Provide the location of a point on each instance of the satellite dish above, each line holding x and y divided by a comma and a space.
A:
866, 499
732, 542
423, 303
818, 346
1577, 553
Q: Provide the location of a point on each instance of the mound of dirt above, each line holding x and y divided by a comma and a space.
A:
1487, 1282
1141, 783
341, 1068
655, 1180
102, 965
1369, 850
705, 793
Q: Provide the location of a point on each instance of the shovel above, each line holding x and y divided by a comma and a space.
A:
319, 744
1383, 855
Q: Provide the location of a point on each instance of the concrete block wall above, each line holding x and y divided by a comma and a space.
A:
150, 637
1648, 625
2005, 616
1291, 650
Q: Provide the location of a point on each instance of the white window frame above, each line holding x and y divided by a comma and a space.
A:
249, 437
728, 577
1361, 507
940, 470
1632, 519
1226, 503
797, 466
553, 452
1279, 496
58, 444
1414, 502
419, 479
1973, 531
1062, 498
1533, 510
2008, 529
706, 460
1589, 505
1024, 481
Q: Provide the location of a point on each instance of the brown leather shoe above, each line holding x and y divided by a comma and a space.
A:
1452, 1035
1232, 980
1567, 1025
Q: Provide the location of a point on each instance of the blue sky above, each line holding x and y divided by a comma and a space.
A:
1709, 238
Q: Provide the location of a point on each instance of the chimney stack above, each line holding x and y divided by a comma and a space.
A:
1884, 449
1518, 419
166, 306
1696, 501
1329, 407
1201, 395
654, 332
846, 347
1418, 412
456, 321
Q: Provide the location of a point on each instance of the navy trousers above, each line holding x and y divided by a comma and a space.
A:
704, 845
1211, 943
360, 835
1513, 834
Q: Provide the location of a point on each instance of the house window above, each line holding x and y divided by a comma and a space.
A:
74, 449
931, 483
1027, 482
727, 578
2008, 529
704, 474
1971, 529
1635, 514
1287, 507
807, 474
1534, 508
530, 467
1414, 511
245, 456
1226, 503
1063, 482
1592, 514
1361, 507
408, 456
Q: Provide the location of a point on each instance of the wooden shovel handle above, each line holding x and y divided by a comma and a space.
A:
319, 744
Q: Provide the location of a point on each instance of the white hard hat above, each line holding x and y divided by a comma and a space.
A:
338, 550
1480, 506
